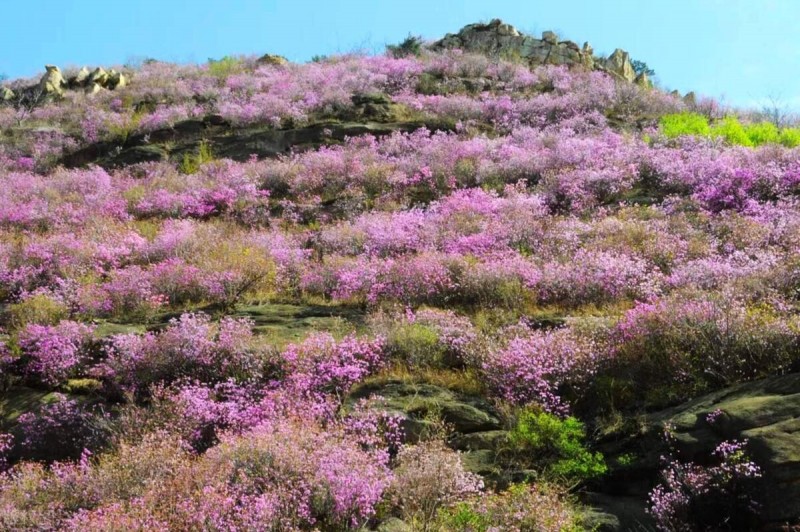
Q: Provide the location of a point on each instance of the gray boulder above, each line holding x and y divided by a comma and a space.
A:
417, 403
550, 37
767, 414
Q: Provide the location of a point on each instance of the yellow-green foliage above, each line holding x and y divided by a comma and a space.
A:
557, 445
790, 137
730, 129
40, 309
222, 68
416, 344
679, 124
122, 129
192, 162
762, 133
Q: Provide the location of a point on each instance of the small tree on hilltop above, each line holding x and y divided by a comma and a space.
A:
411, 45
640, 67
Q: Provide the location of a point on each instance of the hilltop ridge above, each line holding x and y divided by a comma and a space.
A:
501, 40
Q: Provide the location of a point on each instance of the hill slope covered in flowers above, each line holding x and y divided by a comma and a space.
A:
436, 291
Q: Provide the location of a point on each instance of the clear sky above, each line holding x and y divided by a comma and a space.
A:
741, 50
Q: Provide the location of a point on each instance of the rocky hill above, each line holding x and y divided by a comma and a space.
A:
501, 40
492, 282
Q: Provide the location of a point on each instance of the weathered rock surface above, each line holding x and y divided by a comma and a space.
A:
474, 421
619, 63
498, 39
765, 412
52, 83
79, 79
417, 402
229, 142
393, 524
271, 59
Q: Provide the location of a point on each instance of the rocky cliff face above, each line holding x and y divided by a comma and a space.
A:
498, 39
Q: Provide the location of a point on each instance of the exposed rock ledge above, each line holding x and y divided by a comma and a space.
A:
498, 39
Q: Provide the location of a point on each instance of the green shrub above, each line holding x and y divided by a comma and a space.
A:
192, 162
679, 124
40, 309
762, 133
556, 445
790, 137
411, 46
732, 131
463, 516
416, 344
222, 68
640, 67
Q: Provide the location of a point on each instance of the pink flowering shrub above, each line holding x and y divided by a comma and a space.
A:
321, 364
428, 477
532, 368
52, 354
6, 444
275, 477
693, 496
697, 342
60, 430
427, 337
191, 346
597, 277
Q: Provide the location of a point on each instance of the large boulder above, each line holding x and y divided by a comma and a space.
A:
272, 60
764, 412
52, 83
767, 414
79, 80
417, 402
99, 76
619, 64
93, 88
116, 80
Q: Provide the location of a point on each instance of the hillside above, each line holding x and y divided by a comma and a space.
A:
491, 282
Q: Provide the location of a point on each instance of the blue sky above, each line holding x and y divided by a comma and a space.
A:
741, 50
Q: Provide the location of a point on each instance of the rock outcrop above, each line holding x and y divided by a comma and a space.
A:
765, 412
52, 83
272, 59
498, 39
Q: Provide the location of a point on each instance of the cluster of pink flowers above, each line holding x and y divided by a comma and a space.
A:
52, 354
191, 346
532, 368
711, 495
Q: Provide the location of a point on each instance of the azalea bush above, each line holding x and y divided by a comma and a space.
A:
708, 496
